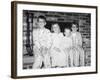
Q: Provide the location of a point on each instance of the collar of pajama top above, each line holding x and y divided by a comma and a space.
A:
43, 36
77, 38
57, 39
66, 42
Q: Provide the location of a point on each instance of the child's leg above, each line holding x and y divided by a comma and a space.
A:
38, 62
67, 59
82, 62
47, 61
76, 58
46, 58
71, 58
66, 51
37, 59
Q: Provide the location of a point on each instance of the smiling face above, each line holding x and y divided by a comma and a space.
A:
41, 23
56, 28
74, 28
67, 32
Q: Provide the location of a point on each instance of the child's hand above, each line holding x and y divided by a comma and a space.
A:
66, 49
44, 50
57, 49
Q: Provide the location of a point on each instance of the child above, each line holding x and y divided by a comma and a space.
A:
77, 45
41, 39
58, 57
67, 47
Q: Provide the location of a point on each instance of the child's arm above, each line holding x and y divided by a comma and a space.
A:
49, 39
35, 39
79, 39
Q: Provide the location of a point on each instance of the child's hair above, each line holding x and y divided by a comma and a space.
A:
41, 17
52, 26
66, 28
74, 23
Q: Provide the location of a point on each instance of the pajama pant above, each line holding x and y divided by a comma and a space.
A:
40, 58
76, 57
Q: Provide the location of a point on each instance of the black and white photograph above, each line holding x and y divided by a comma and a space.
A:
54, 39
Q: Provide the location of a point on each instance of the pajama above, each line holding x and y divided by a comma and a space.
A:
41, 39
79, 52
67, 47
58, 57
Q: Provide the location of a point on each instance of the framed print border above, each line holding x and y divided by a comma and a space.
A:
14, 36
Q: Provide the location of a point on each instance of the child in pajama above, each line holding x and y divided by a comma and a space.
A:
58, 57
77, 45
41, 39
67, 47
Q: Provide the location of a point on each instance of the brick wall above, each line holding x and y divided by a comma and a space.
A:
83, 19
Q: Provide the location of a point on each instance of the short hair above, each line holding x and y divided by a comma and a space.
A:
67, 28
74, 23
41, 17
55, 23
